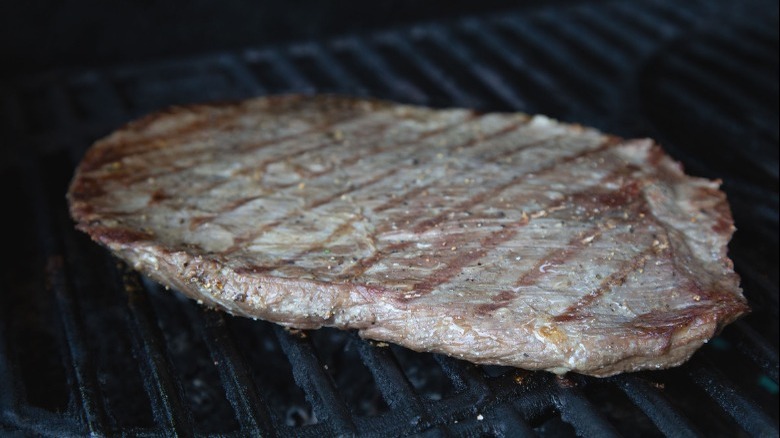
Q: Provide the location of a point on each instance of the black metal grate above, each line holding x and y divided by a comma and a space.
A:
87, 346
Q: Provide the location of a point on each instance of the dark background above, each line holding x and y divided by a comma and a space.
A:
43, 35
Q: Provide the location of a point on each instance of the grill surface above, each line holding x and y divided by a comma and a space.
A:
87, 346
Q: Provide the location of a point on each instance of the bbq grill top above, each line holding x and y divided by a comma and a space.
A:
86, 346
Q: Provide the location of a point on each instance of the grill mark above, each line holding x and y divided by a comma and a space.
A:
669, 242
263, 165
615, 279
500, 300
411, 194
445, 274
395, 170
394, 202
364, 264
197, 221
558, 256
720, 301
377, 149
486, 195
321, 129
318, 203
338, 232
625, 195
378, 178
508, 153
266, 162
122, 236
254, 269
664, 324
86, 187
200, 220
238, 241
498, 237
172, 168
618, 278
662, 245
157, 196
331, 198
109, 153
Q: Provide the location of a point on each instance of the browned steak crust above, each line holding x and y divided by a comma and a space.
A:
497, 238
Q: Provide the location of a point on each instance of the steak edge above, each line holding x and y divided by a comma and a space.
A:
497, 238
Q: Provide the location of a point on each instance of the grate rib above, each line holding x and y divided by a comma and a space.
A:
38, 423
288, 72
390, 379
252, 413
316, 383
692, 100
538, 86
382, 70
757, 349
655, 29
431, 70
81, 363
465, 378
493, 79
580, 413
748, 49
610, 62
84, 385
746, 80
242, 75
504, 420
623, 35
470, 380
743, 410
160, 383
673, 14
715, 89
656, 406
766, 297
585, 86
344, 80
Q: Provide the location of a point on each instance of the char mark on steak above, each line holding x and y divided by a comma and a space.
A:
497, 238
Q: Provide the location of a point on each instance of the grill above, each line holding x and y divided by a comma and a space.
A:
90, 347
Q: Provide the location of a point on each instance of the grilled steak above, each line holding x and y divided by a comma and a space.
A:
497, 238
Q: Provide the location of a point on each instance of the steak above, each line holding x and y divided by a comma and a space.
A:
497, 238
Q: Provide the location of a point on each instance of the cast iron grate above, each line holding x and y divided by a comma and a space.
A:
87, 346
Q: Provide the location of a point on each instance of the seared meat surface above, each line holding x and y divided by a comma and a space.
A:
497, 238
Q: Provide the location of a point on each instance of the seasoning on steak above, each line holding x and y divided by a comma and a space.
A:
496, 238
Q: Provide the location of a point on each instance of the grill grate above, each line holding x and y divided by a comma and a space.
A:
97, 349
